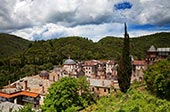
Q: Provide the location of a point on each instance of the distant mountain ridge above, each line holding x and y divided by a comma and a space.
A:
80, 48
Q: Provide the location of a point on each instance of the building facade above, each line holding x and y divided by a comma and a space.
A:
155, 54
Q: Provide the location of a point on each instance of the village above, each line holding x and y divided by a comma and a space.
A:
101, 75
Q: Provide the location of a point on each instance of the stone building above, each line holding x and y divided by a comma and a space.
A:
30, 89
99, 68
138, 68
155, 54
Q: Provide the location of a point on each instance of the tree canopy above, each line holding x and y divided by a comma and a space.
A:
133, 101
68, 94
157, 78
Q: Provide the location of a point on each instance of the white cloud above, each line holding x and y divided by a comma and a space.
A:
37, 19
93, 32
48, 31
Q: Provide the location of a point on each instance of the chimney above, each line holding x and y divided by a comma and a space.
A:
25, 85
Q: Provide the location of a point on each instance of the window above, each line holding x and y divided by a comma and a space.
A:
97, 89
92, 88
104, 89
108, 90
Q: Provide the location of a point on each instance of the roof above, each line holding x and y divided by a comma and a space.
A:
57, 70
6, 106
138, 62
33, 84
152, 49
24, 93
110, 62
69, 62
100, 82
91, 63
163, 49
31, 94
43, 74
10, 90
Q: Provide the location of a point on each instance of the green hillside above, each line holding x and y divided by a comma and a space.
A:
11, 45
21, 58
139, 45
80, 48
133, 101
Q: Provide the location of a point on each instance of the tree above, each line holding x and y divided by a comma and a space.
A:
64, 95
125, 68
157, 78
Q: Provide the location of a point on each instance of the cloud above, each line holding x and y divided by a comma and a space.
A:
49, 31
155, 12
44, 19
93, 32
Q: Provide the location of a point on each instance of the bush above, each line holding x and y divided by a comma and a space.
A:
132, 101
157, 78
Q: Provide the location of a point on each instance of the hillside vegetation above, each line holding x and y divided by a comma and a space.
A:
134, 100
19, 57
112, 46
140, 45
80, 48
157, 78
11, 45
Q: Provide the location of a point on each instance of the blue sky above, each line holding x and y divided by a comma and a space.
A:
95, 19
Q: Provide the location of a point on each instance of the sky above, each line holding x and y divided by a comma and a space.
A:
93, 19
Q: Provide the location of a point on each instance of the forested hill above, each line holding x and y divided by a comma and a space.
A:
139, 45
19, 57
80, 48
11, 45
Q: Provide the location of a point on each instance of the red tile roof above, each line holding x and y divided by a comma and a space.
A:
138, 62
25, 93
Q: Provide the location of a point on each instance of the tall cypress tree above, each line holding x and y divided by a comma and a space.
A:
125, 68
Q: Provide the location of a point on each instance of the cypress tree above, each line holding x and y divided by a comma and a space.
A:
125, 68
